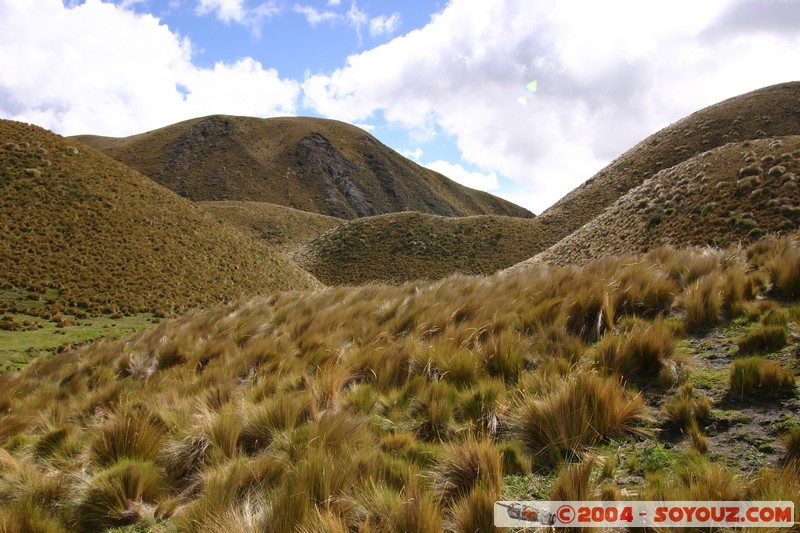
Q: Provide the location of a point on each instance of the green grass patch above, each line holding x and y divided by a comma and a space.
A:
19, 347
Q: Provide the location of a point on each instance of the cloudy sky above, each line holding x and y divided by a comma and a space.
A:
447, 83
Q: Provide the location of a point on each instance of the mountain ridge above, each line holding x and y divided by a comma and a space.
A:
317, 165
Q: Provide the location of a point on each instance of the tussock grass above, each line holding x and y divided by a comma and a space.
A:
703, 301
127, 436
762, 339
465, 465
756, 374
581, 411
642, 353
118, 496
388, 408
791, 443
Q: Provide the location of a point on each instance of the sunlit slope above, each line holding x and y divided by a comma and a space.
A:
408, 246
734, 194
90, 232
768, 112
280, 226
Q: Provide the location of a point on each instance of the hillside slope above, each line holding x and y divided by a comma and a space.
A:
409, 246
87, 231
733, 194
769, 112
279, 226
311, 164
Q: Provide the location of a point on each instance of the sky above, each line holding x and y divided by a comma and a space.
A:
525, 99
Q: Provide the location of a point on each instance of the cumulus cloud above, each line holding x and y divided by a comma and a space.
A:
607, 78
99, 68
457, 173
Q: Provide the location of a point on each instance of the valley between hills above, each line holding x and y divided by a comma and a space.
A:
241, 324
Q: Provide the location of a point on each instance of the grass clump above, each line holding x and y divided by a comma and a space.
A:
762, 339
756, 374
465, 465
641, 353
580, 411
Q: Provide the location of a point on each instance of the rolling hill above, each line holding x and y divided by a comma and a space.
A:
317, 165
407, 246
733, 194
281, 227
81, 230
768, 112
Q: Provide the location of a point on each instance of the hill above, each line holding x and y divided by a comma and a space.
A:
407, 246
769, 112
733, 194
317, 165
416, 407
281, 227
81, 230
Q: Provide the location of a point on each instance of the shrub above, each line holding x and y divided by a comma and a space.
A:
751, 373
762, 339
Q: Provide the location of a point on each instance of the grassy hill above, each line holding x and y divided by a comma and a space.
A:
82, 231
311, 164
769, 112
413, 408
281, 227
733, 194
407, 246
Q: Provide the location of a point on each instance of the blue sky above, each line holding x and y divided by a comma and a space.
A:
445, 83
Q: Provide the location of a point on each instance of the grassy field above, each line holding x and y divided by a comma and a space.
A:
17, 348
414, 407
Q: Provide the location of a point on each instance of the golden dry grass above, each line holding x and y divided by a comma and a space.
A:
388, 408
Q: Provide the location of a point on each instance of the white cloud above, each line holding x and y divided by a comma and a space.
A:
236, 11
225, 10
356, 18
315, 16
384, 25
334, 2
414, 154
98, 68
609, 73
457, 173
